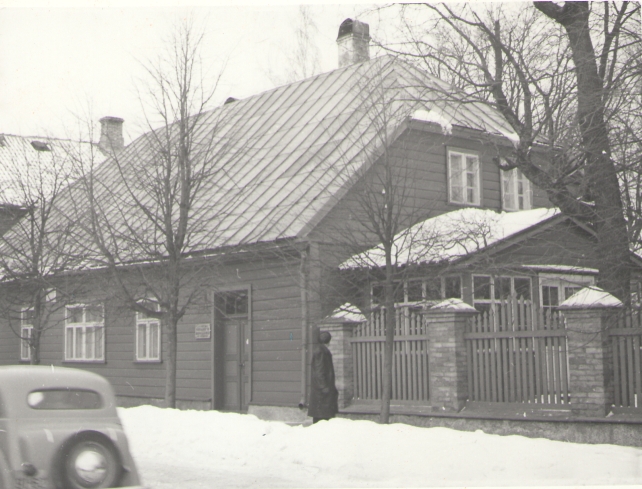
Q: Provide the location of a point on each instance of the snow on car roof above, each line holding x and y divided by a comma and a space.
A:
452, 235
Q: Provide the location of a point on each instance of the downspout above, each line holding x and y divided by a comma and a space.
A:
303, 277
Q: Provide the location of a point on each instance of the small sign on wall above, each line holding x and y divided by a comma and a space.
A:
202, 331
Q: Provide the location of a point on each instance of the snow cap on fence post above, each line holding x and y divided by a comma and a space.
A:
447, 368
589, 315
591, 297
452, 305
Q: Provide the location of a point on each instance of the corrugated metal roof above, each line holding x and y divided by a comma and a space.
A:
276, 161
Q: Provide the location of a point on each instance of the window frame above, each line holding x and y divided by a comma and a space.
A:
24, 343
424, 288
464, 154
512, 178
147, 322
83, 326
493, 300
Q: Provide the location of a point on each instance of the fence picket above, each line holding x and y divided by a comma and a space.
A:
616, 370
623, 372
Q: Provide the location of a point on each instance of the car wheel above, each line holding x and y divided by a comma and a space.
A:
91, 464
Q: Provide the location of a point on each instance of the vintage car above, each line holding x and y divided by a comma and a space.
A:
59, 429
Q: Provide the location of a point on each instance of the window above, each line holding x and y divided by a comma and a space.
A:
64, 399
233, 303
488, 291
148, 336
84, 333
516, 190
412, 291
26, 330
463, 178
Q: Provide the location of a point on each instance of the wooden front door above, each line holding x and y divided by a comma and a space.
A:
234, 374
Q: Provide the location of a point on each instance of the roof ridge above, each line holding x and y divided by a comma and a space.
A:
310, 78
48, 138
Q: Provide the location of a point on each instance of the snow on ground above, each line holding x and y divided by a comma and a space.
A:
209, 449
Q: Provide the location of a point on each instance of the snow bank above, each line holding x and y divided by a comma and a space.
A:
190, 449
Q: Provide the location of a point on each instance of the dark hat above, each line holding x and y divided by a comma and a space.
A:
324, 337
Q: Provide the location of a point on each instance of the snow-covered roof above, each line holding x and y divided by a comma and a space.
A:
279, 160
590, 297
452, 235
563, 268
32, 168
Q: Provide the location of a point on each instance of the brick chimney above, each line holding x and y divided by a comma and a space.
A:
111, 134
353, 42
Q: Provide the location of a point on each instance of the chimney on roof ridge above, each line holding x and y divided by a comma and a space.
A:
353, 42
111, 134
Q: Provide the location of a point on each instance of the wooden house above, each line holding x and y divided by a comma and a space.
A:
271, 226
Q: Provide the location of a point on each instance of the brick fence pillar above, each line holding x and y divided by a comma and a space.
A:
341, 349
447, 368
590, 353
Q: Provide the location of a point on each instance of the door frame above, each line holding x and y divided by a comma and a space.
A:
215, 325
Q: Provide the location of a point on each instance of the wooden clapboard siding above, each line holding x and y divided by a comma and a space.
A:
268, 357
422, 157
565, 243
276, 316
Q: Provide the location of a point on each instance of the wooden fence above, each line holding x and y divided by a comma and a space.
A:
410, 357
626, 337
517, 354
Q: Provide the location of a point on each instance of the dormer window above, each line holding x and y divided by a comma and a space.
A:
463, 177
516, 190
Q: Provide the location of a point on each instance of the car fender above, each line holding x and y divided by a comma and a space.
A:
6, 477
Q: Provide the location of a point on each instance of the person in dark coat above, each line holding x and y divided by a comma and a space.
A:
323, 393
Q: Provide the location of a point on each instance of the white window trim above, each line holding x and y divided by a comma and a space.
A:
82, 328
511, 179
26, 330
146, 322
477, 190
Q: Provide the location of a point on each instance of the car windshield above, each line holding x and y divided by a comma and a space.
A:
64, 399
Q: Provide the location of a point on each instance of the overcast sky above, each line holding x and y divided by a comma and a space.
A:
59, 59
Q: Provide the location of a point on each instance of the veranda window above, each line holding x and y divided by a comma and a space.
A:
489, 291
84, 333
463, 178
148, 336
26, 331
417, 290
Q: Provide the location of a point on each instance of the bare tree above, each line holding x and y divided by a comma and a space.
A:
144, 218
386, 197
34, 251
559, 79
302, 60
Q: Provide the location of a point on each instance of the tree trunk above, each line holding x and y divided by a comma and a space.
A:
34, 346
170, 366
389, 322
603, 185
